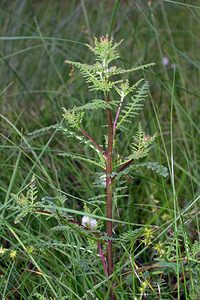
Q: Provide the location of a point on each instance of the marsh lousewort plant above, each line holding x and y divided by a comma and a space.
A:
120, 102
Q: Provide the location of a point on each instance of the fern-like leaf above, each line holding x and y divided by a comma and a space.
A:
73, 119
32, 192
195, 251
93, 75
104, 49
141, 144
118, 71
130, 236
133, 108
83, 158
44, 130
154, 166
71, 134
94, 105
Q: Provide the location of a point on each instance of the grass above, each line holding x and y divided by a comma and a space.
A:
35, 40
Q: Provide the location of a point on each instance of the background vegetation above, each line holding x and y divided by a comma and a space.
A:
38, 261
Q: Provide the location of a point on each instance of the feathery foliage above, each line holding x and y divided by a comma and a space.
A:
102, 76
51, 234
132, 108
39, 262
141, 144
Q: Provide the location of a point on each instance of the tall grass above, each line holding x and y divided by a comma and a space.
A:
49, 262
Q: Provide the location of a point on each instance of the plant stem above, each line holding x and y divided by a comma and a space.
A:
124, 166
109, 191
101, 255
92, 140
117, 115
109, 165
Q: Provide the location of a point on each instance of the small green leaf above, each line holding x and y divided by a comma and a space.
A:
155, 166
132, 108
93, 105
74, 120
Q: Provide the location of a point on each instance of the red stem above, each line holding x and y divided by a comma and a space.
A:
109, 224
101, 255
92, 140
126, 165
117, 115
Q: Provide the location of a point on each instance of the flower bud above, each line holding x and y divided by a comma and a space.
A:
89, 222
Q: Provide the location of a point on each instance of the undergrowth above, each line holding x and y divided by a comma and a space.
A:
52, 185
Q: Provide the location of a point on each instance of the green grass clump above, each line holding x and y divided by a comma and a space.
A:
44, 194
